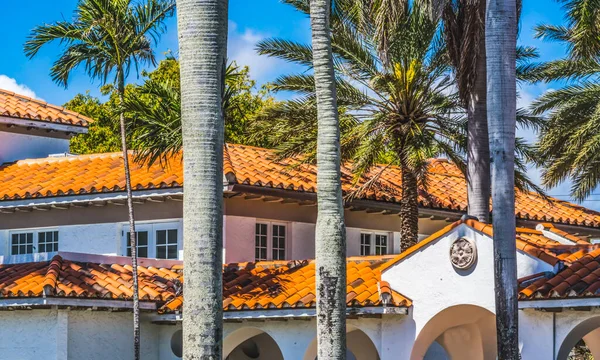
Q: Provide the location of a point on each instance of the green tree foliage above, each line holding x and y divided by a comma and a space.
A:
153, 112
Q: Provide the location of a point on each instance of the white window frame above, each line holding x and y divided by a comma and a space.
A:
270, 225
35, 243
373, 234
152, 228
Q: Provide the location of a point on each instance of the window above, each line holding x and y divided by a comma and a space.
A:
379, 247
160, 240
260, 249
270, 241
33, 241
278, 242
381, 244
166, 244
141, 240
22, 243
48, 241
365, 244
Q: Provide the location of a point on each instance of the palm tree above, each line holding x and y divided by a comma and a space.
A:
568, 144
501, 42
107, 38
464, 27
393, 99
330, 233
202, 29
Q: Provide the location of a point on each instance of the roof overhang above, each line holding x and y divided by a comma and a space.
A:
288, 314
555, 305
43, 302
45, 125
97, 199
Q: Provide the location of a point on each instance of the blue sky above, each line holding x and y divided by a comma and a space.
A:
250, 22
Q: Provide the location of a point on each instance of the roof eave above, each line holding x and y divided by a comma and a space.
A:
46, 125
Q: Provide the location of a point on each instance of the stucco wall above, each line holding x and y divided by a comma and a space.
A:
28, 335
16, 146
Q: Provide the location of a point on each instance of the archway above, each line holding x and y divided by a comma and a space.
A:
250, 344
358, 344
585, 336
462, 331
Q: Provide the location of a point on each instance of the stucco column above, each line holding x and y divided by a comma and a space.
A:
62, 334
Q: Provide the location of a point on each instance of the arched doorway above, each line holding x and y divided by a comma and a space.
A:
250, 344
583, 339
358, 344
461, 331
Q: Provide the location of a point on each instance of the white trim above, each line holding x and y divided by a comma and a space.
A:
74, 302
282, 314
40, 124
270, 224
36, 239
152, 227
559, 303
88, 198
389, 238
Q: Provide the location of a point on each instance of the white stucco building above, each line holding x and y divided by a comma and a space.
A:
64, 270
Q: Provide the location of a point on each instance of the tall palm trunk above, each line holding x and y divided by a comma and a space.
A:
500, 39
202, 29
409, 208
478, 151
132, 234
330, 230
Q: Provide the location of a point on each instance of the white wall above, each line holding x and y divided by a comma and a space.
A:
28, 335
15, 146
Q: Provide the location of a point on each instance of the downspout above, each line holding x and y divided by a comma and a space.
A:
554, 335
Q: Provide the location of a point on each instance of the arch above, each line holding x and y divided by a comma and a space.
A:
463, 331
359, 346
250, 343
589, 331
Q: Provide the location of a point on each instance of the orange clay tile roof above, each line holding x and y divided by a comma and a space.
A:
263, 285
553, 229
278, 285
581, 279
22, 107
64, 278
257, 167
530, 241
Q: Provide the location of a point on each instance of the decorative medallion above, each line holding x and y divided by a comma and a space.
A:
463, 253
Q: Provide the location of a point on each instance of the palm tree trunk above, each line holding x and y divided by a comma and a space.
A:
202, 29
478, 151
409, 208
132, 234
501, 39
330, 230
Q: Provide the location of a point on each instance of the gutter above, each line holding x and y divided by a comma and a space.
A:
554, 304
286, 314
78, 129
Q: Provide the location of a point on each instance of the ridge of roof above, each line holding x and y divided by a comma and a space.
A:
19, 106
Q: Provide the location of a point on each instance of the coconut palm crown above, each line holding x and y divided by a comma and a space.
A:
396, 108
569, 144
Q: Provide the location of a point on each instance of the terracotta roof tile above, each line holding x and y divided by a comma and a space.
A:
581, 279
22, 107
253, 166
273, 285
264, 285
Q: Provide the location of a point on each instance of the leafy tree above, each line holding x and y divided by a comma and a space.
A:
569, 144
103, 133
107, 38
155, 110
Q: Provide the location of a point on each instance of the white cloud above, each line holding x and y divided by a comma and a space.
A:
242, 49
10, 84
